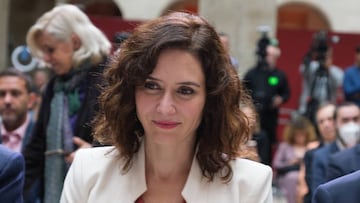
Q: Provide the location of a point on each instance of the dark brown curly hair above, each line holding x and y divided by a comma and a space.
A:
223, 127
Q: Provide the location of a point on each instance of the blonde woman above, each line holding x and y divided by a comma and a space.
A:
76, 51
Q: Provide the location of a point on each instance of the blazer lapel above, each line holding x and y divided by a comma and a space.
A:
357, 156
136, 177
195, 189
28, 134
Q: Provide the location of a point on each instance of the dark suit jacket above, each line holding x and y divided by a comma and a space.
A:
12, 166
319, 164
345, 189
308, 158
343, 162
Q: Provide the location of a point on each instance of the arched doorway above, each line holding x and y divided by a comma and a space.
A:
183, 5
104, 8
301, 16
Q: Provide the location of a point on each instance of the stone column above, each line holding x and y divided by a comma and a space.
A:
240, 19
4, 30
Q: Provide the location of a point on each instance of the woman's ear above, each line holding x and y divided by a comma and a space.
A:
76, 42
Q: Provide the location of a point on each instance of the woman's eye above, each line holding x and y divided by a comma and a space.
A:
50, 50
186, 91
151, 85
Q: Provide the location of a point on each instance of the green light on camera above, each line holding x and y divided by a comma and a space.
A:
273, 80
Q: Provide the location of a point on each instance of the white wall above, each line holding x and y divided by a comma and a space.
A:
343, 15
142, 9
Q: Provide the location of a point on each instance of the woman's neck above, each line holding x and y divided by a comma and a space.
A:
166, 162
166, 169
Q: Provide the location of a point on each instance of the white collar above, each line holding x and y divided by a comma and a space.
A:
193, 191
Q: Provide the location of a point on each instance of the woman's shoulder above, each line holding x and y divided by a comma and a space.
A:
104, 152
243, 166
93, 171
103, 156
92, 163
252, 179
251, 172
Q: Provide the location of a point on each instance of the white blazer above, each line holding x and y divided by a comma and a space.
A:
95, 176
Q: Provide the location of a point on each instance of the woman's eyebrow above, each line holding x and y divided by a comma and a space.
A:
189, 83
179, 83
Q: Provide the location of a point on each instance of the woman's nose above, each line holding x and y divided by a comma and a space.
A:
166, 104
46, 57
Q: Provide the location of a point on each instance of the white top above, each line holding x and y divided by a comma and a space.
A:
95, 176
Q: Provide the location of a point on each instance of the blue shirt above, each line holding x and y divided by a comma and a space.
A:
351, 84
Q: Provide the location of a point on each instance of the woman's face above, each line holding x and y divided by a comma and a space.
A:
170, 103
56, 53
300, 137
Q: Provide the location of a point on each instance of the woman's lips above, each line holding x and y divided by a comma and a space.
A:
166, 124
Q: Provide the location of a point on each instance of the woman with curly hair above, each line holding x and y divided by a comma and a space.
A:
171, 110
298, 133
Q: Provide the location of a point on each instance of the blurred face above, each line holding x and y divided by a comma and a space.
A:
347, 114
326, 124
272, 54
56, 53
14, 101
348, 124
300, 137
170, 103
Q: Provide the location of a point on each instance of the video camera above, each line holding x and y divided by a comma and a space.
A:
315, 65
262, 43
319, 48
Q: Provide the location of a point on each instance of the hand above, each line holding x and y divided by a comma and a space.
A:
294, 161
277, 101
81, 144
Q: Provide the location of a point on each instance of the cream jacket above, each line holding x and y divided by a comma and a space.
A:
95, 176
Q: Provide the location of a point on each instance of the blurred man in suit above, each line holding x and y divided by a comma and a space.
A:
343, 189
16, 98
346, 161
346, 113
327, 134
12, 166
